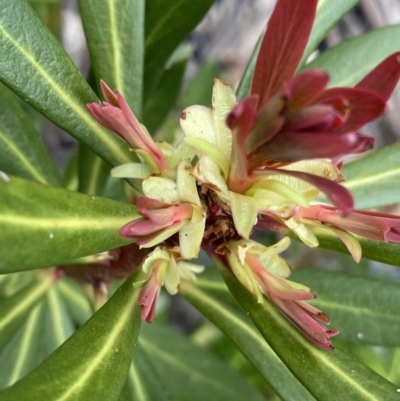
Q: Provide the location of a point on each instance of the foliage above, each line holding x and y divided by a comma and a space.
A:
72, 283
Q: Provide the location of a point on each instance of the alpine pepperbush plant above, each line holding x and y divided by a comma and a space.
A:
215, 211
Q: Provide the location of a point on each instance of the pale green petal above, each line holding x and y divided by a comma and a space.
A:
243, 275
158, 253
190, 238
223, 100
186, 184
280, 188
188, 270
207, 172
171, 277
131, 170
162, 189
242, 249
198, 214
244, 213
350, 241
267, 201
174, 154
148, 160
320, 167
197, 122
303, 232
211, 150
276, 265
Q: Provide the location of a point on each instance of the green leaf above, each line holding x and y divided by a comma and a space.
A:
45, 226
164, 96
188, 372
43, 75
142, 382
93, 171
199, 89
22, 152
244, 87
58, 323
70, 174
168, 22
373, 179
327, 375
15, 309
328, 14
75, 300
23, 353
353, 303
93, 363
374, 250
209, 296
348, 62
114, 31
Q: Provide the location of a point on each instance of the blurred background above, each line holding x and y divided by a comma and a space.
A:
220, 47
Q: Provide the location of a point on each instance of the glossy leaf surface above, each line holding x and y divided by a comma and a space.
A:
22, 152
209, 297
143, 382
22, 353
114, 31
43, 75
15, 309
347, 300
46, 226
374, 250
373, 180
94, 361
165, 29
328, 14
164, 96
348, 62
188, 372
328, 375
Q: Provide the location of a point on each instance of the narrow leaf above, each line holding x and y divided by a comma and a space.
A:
353, 303
42, 74
45, 226
348, 62
243, 89
93, 363
23, 353
168, 22
188, 372
164, 97
114, 31
327, 375
75, 300
93, 171
373, 180
142, 383
15, 309
328, 14
374, 250
58, 323
208, 297
21, 151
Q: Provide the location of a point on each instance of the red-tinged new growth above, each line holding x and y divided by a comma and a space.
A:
288, 118
116, 115
261, 162
160, 220
262, 271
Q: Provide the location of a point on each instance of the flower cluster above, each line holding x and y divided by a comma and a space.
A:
257, 162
